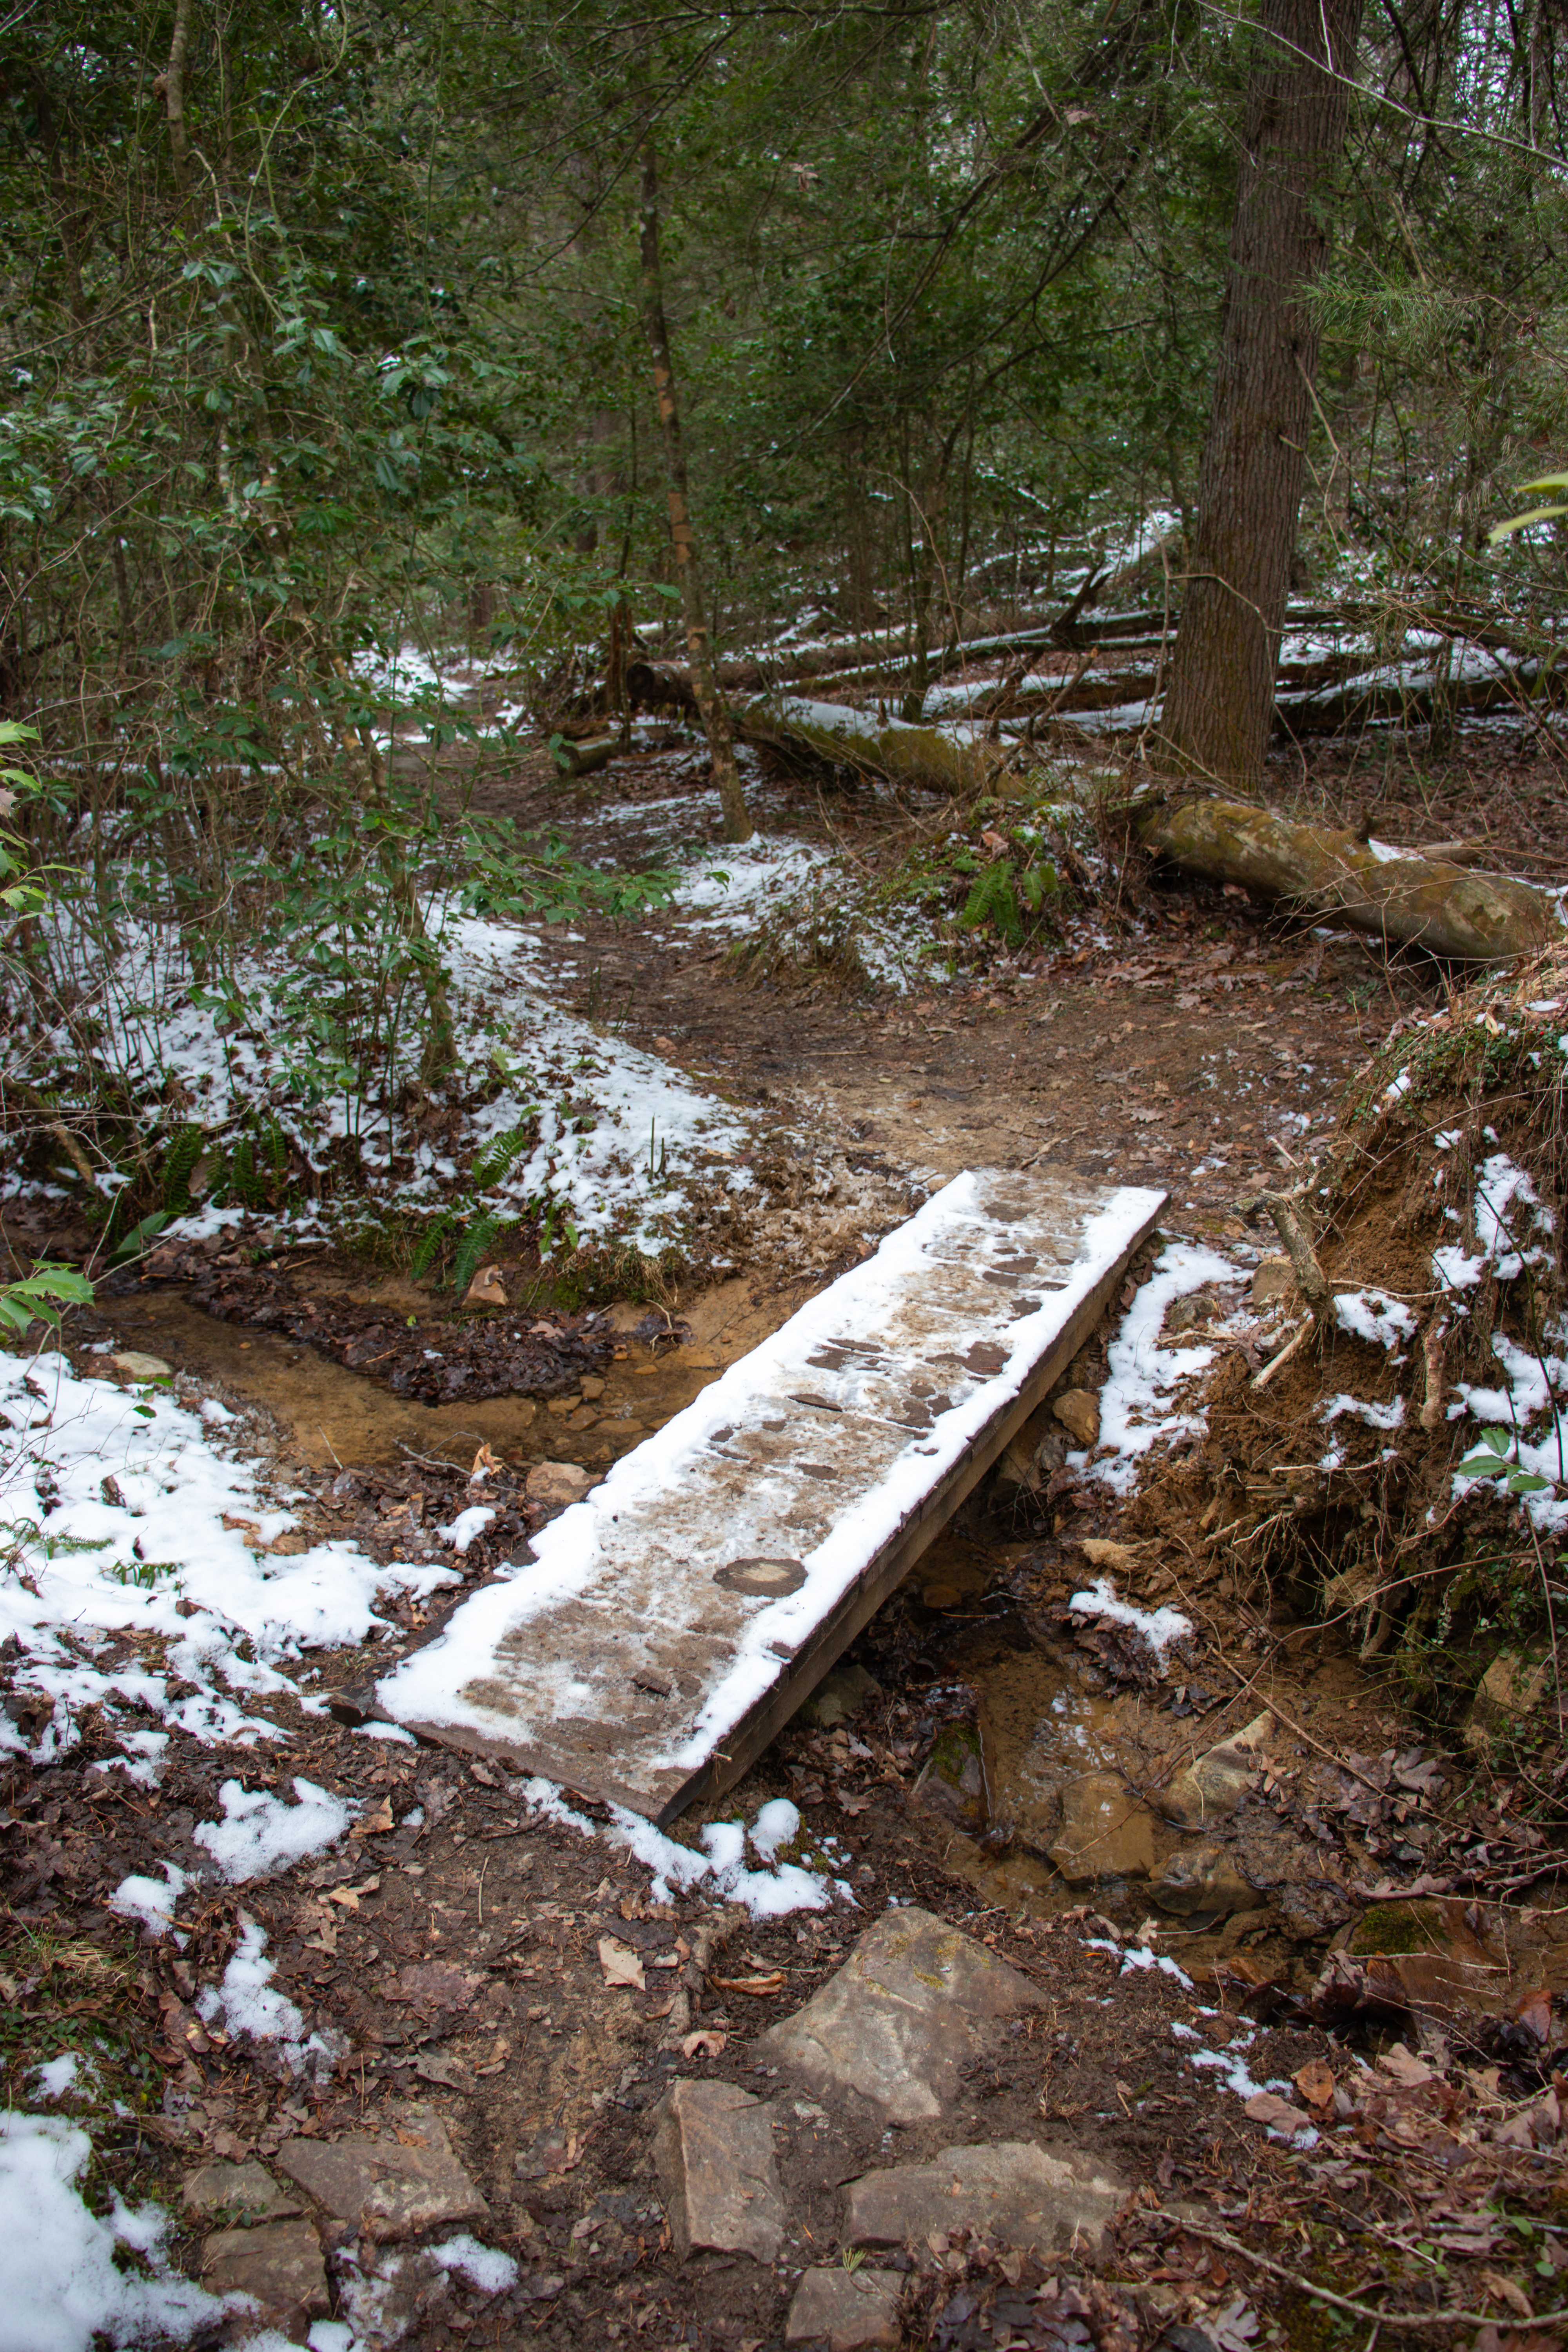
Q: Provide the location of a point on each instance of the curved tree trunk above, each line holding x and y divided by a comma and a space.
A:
718, 724
1220, 700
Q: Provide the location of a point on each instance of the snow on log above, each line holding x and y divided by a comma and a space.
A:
1411, 900
926, 757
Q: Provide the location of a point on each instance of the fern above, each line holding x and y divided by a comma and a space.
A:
993, 900
431, 1243
475, 1247
501, 1155
186, 1148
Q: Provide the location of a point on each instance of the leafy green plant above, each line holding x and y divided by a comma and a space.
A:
1493, 1458
42, 1296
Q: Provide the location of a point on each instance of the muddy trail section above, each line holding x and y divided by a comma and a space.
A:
1063, 1976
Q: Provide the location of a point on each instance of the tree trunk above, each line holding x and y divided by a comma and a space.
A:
718, 724
173, 81
1220, 700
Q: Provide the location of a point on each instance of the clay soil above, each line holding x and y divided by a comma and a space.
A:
1179, 1038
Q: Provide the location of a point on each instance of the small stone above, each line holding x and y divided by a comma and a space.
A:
1203, 1878
281, 2264
1103, 1551
387, 2188
554, 1485
1214, 1785
1079, 1414
137, 1367
713, 2148
1273, 1282
591, 1386
242, 2194
1511, 1689
914, 2005
1011, 2194
952, 1783
841, 1695
1106, 1832
849, 2311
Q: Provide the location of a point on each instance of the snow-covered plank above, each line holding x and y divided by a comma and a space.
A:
670, 1624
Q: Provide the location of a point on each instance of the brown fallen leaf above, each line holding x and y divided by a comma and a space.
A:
375, 1824
349, 1895
1509, 2290
485, 1466
623, 1967
705, 2045
1407, 2070
760, 1988
487, 1288
1315, 2080
1268, 2108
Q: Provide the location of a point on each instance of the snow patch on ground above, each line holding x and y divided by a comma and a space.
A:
128, 1518
261, 1834
1159, 1627
1137, 1403
61, 2289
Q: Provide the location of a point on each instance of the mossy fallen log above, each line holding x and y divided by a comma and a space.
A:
1316, 869
924, 757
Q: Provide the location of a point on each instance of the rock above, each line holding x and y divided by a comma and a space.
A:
849, 2311
137, 1367
1511, 1689
1424, 1956
487, 1288
1203, 1878
713, 2148
1106, 1831
1214, 1785
387, 2188
914, 2004
951, 1782
281, 2264
1273, 1283
1078, 1413
841, 1695
1011, 2194
554, 1485
242, 2194
1040, 1736
1103, 1551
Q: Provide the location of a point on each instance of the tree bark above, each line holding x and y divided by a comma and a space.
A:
922, 757
1409, 899
173, 81
1220, 700
717, 722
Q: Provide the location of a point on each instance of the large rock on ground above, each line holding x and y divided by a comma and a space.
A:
240, 2194
281, 2264
1203, 1878
387, 2188
713, 2148
849, 2311
1013, 2194
1212, 1786
1106, 1831
915, 2002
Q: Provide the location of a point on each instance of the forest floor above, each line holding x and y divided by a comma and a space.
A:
497, 1990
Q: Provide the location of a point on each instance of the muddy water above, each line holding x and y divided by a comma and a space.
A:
331, 1415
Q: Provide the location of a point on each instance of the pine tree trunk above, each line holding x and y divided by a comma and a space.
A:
717, 723
1220, 702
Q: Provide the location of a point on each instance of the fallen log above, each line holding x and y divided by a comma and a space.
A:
1316, 869
921, 757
